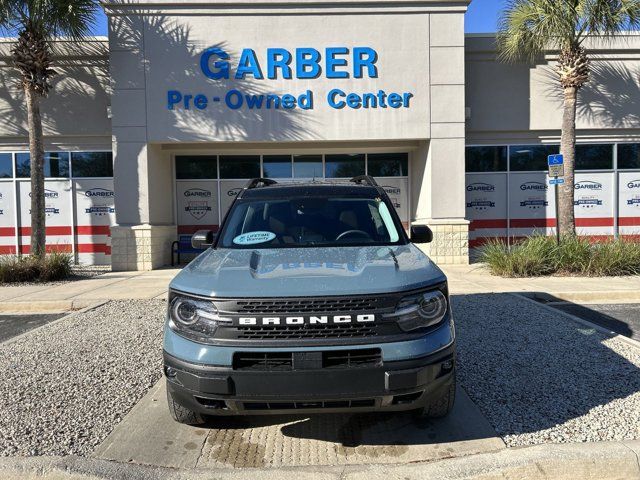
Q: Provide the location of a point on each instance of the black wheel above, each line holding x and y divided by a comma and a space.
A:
181, 414
440, 406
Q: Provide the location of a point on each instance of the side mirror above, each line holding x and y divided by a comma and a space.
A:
421, 234
203, 239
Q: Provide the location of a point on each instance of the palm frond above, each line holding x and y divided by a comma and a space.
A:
608, 17
529, 27
51, 18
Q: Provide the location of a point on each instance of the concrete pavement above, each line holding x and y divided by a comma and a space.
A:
148, 435
78, 294
467, 279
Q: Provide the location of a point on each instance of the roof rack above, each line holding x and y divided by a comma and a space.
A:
364, 180
257, 182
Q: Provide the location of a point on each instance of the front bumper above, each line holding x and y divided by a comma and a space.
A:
391, 385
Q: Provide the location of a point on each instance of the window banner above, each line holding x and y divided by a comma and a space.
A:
486, 206
593, 204
398, 191
629, 204
228, 191
532, 206
59, 217
95, 213
197, 204
7, 218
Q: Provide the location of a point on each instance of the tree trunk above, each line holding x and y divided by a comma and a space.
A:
568, 150
36, 150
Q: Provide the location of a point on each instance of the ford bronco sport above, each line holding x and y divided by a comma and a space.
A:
311, 298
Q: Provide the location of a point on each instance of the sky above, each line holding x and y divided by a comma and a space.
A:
481, 17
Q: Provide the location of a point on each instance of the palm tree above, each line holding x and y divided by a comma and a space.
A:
528, 28
37, 23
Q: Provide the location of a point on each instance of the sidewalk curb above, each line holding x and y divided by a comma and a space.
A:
45, 306
586, 461
581, 321
603, 296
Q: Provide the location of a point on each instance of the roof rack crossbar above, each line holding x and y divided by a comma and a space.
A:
256, 182
364, 180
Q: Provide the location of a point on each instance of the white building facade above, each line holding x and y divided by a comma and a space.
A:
151, 133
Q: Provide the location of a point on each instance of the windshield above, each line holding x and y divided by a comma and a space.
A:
309, 221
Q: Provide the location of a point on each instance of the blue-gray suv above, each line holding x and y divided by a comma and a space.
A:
311, 298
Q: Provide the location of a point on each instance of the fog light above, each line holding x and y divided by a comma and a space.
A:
447, 366
170, 371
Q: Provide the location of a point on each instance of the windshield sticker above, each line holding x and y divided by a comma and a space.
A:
251, 238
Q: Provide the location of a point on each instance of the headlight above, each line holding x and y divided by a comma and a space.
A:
420, 310
195, 318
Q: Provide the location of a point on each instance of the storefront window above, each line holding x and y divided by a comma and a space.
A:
344, 166
528, 158
594, 157
486, 159
239, 166
5, 165
388, 164
629, 155
277, 166
92, 164
307, 166
56, 165
192, 167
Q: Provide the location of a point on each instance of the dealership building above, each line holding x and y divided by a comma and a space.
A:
152, 131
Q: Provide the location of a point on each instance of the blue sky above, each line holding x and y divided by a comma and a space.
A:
481, 17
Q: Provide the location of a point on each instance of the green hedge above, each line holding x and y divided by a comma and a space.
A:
54, 266
538, 255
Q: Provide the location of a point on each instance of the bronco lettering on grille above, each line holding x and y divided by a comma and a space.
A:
307, 320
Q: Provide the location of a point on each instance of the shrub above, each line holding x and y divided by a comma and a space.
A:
54, 266
538, 255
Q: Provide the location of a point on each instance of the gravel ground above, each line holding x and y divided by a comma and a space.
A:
66, 385
540, 378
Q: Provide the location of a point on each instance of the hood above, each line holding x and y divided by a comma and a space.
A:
302, 272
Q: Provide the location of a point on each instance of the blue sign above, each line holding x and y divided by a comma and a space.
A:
556, 181
302, 63
555, 159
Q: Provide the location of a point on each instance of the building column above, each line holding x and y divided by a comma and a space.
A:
145, 229
438, 167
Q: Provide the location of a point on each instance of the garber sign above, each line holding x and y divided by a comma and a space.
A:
302, 63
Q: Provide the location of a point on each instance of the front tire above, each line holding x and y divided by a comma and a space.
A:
181, 414
442, 405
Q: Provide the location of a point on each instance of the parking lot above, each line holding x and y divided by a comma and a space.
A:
527, 376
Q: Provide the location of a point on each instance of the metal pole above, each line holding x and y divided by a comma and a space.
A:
557, 215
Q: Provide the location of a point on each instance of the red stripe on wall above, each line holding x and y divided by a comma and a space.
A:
93, 248
7, 232
63, 247
64, 230
629, 221
480, 224
187, 229
93, 230
7, 250
595, 222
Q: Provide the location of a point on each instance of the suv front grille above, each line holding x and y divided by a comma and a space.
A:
307, 305
308, 333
